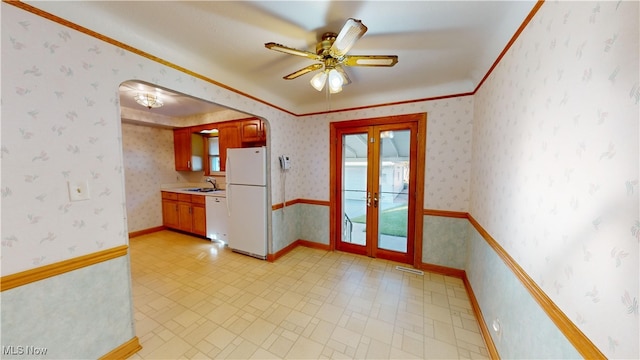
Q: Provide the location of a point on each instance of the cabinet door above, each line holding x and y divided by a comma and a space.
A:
182, 149
170, 214
185, 217
251, 130
199, 219
263, 133
228, 137
197, 152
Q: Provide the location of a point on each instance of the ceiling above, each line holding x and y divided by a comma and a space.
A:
175, 105
443, 47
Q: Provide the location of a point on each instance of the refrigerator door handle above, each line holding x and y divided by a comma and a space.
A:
227, 177
226, 168
227, 202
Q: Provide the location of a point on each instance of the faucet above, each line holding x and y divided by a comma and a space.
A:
213, 182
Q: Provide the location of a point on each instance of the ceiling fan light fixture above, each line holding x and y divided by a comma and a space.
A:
331, 56
335, 81
150, 101
318, 80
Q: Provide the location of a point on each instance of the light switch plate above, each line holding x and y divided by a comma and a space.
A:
79, 190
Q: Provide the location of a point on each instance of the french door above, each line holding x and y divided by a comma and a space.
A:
375, 167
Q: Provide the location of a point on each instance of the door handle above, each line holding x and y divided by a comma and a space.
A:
375, 200
228, 190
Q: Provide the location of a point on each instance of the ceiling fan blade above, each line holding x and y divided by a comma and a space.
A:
351, 31
292, 51
303, 71
370, 60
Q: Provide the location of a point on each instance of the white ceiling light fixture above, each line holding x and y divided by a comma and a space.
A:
336, 80
318, 80
150, 101
210, 131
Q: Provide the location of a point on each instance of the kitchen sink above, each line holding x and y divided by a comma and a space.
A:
202, 189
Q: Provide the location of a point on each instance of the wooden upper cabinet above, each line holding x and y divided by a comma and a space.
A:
182, 149
192, 152
188, 150
228, 137
253, 131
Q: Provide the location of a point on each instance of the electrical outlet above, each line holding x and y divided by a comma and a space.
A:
79, 190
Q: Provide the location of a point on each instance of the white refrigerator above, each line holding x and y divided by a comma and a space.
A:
246, 177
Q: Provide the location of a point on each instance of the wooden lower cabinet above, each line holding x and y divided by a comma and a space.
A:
184, 212
199, 214
170, 211
185, 218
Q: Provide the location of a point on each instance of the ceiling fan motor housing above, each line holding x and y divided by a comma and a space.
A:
322, 47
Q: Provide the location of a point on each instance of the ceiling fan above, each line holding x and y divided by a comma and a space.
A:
331, 54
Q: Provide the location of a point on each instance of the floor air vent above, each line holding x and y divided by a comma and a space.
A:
409, 270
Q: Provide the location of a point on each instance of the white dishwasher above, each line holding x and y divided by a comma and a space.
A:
217, 218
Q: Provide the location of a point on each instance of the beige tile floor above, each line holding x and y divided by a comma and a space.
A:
196, 300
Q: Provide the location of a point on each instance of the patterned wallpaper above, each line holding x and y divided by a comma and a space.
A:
81, 314
148, 163
54, 133
448, 156
555, 163
555, 152
527, 332
61, 122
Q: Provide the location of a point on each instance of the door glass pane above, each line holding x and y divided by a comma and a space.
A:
393, 201
354, 188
